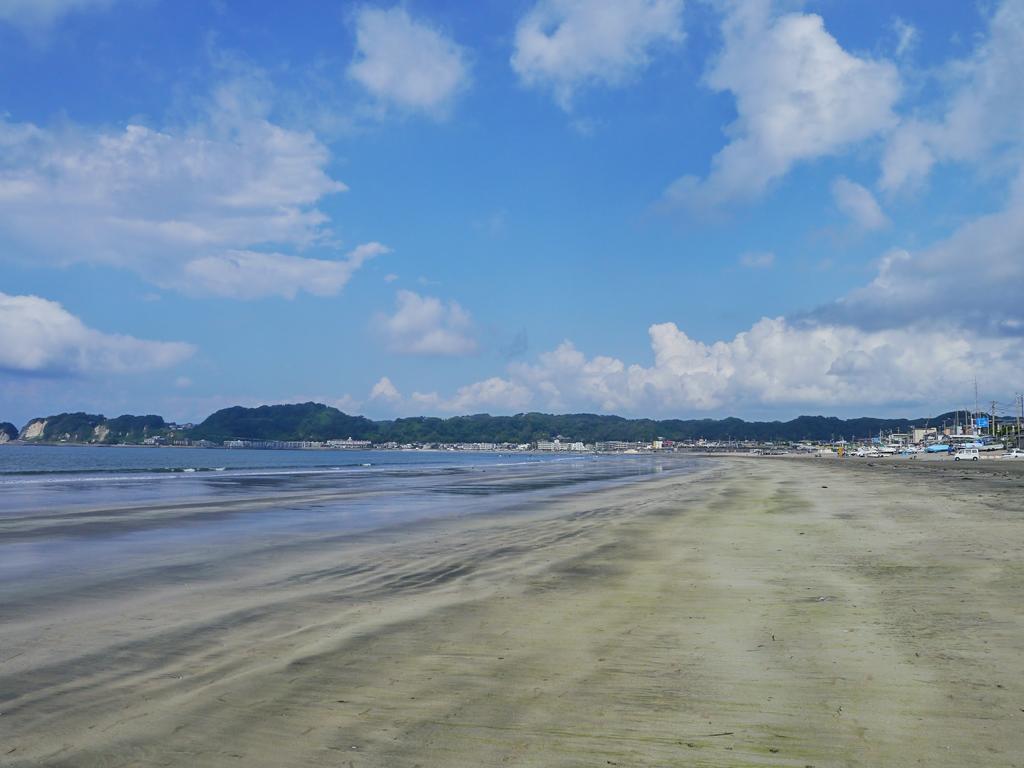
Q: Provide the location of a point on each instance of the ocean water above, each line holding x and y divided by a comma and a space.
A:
93, 514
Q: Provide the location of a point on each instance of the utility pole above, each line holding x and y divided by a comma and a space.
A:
1020, 415
975, 414
992, 424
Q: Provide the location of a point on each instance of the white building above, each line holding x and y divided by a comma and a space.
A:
560, 444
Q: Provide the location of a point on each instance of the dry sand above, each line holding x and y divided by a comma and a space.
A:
766, 612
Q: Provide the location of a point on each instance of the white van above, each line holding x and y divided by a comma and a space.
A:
966, 453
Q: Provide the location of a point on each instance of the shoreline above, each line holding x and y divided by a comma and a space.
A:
764, 611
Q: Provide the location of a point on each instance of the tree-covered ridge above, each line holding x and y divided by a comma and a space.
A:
301, 421
134, 429
82, 427
314, 421
8, 431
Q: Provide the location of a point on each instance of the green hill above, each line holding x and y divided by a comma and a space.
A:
314, 421
82, 427
301, 421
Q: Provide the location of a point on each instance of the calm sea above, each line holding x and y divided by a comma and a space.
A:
82, 512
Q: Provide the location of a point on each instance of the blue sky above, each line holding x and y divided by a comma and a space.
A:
672, 208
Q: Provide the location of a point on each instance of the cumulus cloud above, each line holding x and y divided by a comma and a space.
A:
915, 334
250, 274
776, 362
494, 394
385, 391
912, 337
566, 45
972, 278
34, 15
407, 63
40, 336
491, 393
215, 201
984, 113
799, 96
858, 203
425, 325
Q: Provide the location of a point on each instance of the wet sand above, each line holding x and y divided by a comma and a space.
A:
765, 612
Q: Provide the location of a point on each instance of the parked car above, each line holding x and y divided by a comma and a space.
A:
965, 454
1016, 453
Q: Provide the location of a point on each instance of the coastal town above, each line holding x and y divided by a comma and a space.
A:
928, 442
976, 437
961, 434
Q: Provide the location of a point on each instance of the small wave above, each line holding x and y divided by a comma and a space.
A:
25, 472
148, 474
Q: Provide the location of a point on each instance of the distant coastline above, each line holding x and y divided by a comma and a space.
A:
314, 425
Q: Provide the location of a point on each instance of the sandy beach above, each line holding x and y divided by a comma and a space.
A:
759, 612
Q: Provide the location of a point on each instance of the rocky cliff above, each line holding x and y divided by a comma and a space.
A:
33, 430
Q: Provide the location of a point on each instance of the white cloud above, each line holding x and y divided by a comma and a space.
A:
984, 113
971, 278
566, 45
493, 393
425, 325
385, 391
757, 260
907, 36
912, 338
250, 275
40, 336
799, 96
407, 63
858, 203
777, 363
39, 14
208, 200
